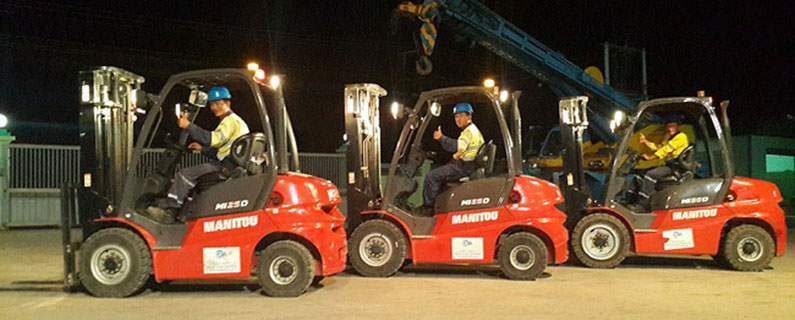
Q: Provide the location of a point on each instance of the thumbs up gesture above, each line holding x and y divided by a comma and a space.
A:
438, 133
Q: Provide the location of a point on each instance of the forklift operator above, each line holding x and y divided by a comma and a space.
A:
216, 143
462, 164
673, 144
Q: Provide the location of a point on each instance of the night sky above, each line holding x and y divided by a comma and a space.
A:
736, 51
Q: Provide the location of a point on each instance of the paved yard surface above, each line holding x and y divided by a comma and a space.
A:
31, 267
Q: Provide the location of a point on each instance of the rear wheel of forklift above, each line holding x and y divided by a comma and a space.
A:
747, 248
599, 240
114, 263
522, 256
378, 248
285, 269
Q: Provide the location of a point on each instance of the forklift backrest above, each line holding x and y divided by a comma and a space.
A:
248, 152
484, 160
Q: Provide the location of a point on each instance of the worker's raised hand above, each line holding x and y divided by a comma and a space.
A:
183, 121
194, 146
438, 133
642, 139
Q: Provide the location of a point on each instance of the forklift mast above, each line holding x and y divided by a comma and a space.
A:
108, 103
573, 123
363, 148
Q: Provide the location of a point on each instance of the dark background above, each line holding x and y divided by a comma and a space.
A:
737, 51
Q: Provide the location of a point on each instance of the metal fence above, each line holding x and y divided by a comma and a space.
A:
36, 172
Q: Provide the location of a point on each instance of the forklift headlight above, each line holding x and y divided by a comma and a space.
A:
503, 95
275, 81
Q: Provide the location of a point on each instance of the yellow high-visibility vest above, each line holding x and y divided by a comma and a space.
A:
671, 147
230, 128
469, 142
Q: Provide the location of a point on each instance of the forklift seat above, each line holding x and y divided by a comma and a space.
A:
484, 164
248, 155
683, 166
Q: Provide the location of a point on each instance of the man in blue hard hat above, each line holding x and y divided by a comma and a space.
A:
217, 142
465, 149
674, 142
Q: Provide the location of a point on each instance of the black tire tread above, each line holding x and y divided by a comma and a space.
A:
126, 288
399, 251
727, 254
511, 241
300, 284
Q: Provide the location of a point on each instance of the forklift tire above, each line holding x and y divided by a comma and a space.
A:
114, 263
522, 256
599, 240
378, 248
747, 248
285, 269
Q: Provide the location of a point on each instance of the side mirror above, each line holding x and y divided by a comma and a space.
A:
435, 109
198, 98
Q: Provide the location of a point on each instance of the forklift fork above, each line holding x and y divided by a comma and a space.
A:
69, 248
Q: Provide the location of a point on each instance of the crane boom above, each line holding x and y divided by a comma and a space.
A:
479, 24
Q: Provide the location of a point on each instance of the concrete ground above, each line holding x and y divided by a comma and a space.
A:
31, 268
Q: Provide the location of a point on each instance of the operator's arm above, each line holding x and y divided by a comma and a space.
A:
215, 138
201, 136
448, 144
649, 144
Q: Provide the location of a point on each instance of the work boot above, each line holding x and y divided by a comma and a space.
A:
160, 215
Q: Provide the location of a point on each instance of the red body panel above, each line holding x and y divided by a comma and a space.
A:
534, 212
755, 201
308, 211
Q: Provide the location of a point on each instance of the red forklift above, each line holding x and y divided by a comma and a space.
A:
493, 216
702, 208
261, 217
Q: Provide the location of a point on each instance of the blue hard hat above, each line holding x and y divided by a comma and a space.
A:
463, 107
675, 118
219, 93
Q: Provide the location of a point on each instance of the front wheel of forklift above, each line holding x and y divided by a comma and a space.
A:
378, 248
285, 269
114, 263
599, 240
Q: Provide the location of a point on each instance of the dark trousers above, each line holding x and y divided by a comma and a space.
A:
185, 180
646, 188
436, 178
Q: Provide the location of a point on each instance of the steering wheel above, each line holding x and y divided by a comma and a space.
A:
170, 144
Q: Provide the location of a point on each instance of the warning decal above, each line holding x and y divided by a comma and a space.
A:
678, 239
221, 260
467, 248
